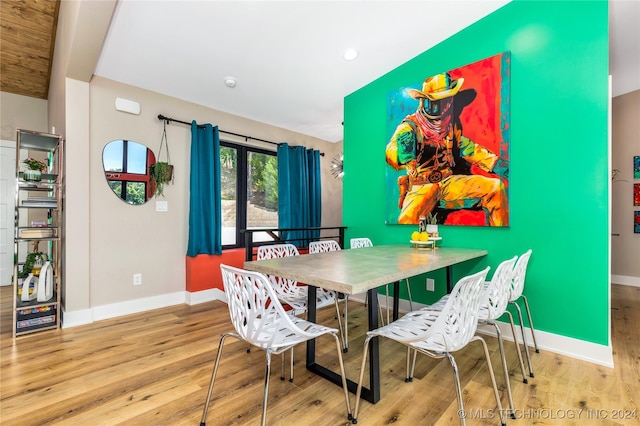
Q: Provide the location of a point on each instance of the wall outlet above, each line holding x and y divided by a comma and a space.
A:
162, 206
137, 279
430, 284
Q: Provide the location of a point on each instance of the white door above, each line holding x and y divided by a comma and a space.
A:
7, 202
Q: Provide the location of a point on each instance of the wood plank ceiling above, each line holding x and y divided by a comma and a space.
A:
27, 39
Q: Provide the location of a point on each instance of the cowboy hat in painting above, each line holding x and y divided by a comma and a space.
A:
437, 87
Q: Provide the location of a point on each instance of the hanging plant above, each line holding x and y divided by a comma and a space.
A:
162, 174
162, 171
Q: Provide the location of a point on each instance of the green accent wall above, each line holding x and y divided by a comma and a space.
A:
559, 161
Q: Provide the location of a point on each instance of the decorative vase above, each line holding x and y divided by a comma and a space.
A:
32, 175
432, 229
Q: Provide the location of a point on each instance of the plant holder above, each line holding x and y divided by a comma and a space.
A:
162, 171
32, 175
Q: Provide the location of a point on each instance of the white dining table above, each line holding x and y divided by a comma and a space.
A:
362, 270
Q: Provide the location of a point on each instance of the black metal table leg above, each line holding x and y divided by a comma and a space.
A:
396, 299
311, 316
371, 394
449, 278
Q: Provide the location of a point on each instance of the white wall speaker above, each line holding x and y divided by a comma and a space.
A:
125, 105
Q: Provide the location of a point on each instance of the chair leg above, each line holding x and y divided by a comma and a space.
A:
506, 370
291, 373
458, 387
515, 341
409, 375
203, 421
493, 378
283, 355
344, 378
413, 365
346, 324
266, 388
409, 294
342, 330
524, 336
387, 303
533, 331
365, 352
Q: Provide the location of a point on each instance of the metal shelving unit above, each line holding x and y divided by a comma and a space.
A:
38, 229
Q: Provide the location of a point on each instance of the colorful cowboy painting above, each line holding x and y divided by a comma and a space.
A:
449, 157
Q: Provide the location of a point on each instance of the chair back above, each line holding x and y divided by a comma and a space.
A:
254, 308
323, 246
519, 275
498, 291
458, 320
360, 243
282, 286
276, 250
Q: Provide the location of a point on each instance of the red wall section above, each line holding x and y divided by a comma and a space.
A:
203, 271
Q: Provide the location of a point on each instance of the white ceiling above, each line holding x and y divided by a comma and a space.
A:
287, 55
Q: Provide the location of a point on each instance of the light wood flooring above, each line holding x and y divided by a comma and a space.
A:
153, 368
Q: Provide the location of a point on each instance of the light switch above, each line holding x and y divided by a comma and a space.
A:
162, 206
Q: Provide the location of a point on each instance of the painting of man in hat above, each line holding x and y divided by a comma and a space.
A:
449, 158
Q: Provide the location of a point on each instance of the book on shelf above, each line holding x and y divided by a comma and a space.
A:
40, 202
36, 233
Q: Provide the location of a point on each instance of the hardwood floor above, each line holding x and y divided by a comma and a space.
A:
153, 368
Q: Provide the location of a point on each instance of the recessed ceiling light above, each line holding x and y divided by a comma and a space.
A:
350, 54
230, 81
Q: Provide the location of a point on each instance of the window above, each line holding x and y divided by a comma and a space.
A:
249, 186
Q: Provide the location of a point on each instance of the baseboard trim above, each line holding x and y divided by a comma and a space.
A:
203, 296
114, 310
76, 318
625, 280
138, 305
562, 345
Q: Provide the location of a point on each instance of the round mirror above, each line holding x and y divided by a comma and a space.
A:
127, 170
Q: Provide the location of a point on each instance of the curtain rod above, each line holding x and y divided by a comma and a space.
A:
246, 138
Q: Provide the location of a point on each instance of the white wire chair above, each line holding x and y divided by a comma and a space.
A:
493, 307
260, 320
323, 246
517, 287
498, 290
363, 242
439, 333
288, 290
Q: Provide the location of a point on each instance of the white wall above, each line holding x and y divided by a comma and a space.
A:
625, 244
21, 112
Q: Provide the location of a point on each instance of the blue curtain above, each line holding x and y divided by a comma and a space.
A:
299, 192
205, 205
